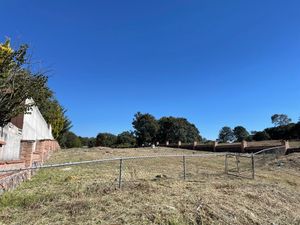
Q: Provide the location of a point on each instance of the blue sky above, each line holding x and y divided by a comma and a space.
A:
214, 62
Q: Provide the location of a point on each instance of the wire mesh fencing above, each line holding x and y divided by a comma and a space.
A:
245, 165
117, 172
241, 165
174, 167
268, 155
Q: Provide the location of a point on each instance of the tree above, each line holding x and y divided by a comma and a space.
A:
92, 142
84, 141
70, 140
280, 119
295, 131
126, 139
240, 133
55, 115
146, 128
280, 132
261, 136
106, 140
226, 135
18, 83
177, 129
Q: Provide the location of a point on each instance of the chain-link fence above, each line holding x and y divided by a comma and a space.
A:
267, 155
118, 172
184, 167
245, 165
240, 165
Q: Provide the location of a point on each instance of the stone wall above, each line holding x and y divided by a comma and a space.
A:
11, 180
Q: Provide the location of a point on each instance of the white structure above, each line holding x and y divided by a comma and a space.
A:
34, 125
30, 126
11, 136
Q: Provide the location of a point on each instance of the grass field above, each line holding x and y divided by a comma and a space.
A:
154, 192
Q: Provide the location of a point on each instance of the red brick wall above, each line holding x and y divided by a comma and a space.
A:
32, 153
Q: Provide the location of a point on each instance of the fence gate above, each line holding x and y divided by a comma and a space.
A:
241, 165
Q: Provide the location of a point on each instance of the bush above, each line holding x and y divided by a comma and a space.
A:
126, 140
106, 140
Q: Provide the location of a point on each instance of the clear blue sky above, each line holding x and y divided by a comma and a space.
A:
214, 62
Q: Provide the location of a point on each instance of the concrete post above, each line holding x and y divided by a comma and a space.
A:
244, 145
179, 144
215, 144
286, 145
194, 145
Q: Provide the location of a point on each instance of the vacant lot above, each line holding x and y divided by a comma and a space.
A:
154, 192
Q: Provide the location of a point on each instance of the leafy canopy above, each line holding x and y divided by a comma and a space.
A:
146, 128
240, 133
280, 119
174, 129
18, 83
226, 135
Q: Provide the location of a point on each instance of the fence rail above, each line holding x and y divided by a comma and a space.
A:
192, 167
110, 160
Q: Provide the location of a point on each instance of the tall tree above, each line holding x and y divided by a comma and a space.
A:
261, 136
240, 133
126, 139
17, 83
226, 135
146, 128
70, 140
177, 129
106, 140
280, 119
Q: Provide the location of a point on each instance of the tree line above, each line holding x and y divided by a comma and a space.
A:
147, 131
283, 129
19, 81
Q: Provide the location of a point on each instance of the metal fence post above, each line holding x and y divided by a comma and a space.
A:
253, 166
226, 164
237, 159
184, 168
120, 173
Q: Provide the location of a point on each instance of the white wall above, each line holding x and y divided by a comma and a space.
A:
12, 136
35, 126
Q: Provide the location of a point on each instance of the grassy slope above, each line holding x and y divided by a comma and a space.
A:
88, 194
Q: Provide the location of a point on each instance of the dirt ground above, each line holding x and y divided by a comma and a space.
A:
154, 191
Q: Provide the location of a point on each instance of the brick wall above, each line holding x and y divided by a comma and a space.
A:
32, 153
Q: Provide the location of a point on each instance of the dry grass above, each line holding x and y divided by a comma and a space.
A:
295, 144
154, 193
